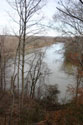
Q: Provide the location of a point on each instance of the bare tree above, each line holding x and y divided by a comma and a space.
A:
70, 17
37, 73
4, 57
26, 11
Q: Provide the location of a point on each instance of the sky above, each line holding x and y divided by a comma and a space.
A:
7, 23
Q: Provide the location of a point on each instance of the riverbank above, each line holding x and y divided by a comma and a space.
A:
35, 113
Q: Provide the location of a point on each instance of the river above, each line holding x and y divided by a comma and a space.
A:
54, 58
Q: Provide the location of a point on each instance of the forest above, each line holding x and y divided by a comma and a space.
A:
41, 76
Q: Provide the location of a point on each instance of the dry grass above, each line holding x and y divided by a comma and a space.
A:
11, 42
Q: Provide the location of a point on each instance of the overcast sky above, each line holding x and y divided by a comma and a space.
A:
49, 11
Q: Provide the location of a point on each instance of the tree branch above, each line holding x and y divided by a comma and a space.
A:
69, 14
81, 1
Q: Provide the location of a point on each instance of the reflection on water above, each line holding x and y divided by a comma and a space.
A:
55, 59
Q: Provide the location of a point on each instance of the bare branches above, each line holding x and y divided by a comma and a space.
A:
26, 10
37, 71
70, 14
71, 18
81, 1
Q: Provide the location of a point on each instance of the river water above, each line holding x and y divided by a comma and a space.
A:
55, 60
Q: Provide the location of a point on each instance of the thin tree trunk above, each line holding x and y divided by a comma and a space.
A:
23, 52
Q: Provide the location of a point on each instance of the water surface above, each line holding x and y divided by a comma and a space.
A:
55, 59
